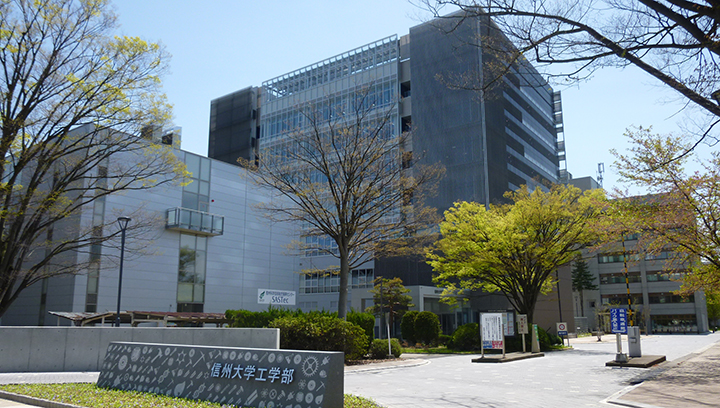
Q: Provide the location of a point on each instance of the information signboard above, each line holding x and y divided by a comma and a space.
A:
618, 320
522, 324
492, 330
509, 323
562, 329
246, 377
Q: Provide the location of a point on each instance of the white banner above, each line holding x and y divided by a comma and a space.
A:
492, 330
276, 297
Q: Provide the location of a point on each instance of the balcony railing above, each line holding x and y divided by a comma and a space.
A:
197, 222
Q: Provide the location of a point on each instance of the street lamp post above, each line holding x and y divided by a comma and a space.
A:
123, 223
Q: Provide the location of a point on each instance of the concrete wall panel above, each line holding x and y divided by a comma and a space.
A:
47, 349
54, 349
82, 349
14, 350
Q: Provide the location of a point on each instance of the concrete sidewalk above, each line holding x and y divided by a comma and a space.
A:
689, 382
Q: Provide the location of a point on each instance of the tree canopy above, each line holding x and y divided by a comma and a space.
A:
676, 42
349, 179
582, 280
681, 215
73, 101
390, 296
514, 248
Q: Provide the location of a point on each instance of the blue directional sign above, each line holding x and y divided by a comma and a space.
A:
618, 320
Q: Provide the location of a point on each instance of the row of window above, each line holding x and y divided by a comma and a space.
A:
653, 298
632, 257
377, 96
331, 69
93, 275
330, 283
634, 277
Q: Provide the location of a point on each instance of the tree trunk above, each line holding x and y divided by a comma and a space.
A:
344, 272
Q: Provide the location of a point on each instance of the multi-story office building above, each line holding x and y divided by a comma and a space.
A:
622, 270
651, 283
205, 249
489, 142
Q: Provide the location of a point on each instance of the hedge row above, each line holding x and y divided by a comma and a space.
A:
315, 330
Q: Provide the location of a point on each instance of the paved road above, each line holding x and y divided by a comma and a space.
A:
571, 378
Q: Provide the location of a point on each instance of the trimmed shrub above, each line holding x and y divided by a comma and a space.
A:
315, 331
444, 340
466, 337
379, 349
546, 341
364, 320
396, 348
427, 327
246, 318
407, 327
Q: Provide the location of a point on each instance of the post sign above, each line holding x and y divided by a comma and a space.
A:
618, 320
492, 330
276, 297
561, 329
522, 324
227, 375
509, 323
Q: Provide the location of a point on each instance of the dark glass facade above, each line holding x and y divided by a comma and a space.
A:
233, 126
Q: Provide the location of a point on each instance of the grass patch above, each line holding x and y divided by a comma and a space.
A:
91, 396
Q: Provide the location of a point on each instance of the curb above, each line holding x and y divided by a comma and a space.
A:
387, 367
38, 402
660, 369
615, 399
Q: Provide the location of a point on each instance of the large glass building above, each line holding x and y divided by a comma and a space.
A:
489, 141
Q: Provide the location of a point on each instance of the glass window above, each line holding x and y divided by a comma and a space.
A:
204, 188
189, 200
204, 169
191, 269
193, 164
187, 241
185, 292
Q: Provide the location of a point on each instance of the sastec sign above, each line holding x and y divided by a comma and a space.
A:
276, 297
243, 377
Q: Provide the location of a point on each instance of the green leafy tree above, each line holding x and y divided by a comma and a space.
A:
74, 99
673, 41
390, 296
513, 248
681, 215
427, 327
582, 280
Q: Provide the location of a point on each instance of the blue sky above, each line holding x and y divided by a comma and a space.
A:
221, 46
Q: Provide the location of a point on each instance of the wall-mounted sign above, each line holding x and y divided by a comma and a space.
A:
259, 378
276, 297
